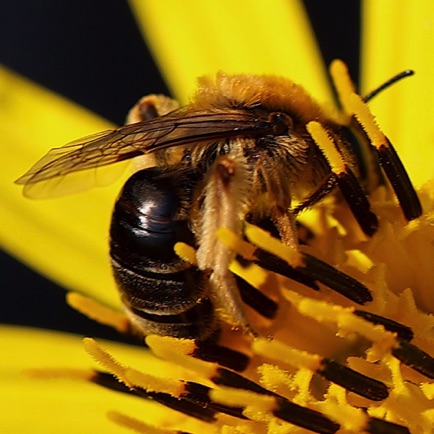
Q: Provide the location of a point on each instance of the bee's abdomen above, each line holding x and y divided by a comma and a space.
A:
168, 304
162, 293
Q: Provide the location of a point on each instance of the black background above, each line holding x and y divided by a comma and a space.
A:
93, 53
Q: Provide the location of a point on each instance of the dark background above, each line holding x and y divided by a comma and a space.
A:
93, 53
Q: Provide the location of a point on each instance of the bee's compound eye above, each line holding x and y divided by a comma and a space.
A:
282, 123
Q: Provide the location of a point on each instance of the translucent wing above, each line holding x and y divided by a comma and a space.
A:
129, 141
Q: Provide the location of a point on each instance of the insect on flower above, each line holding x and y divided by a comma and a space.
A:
247, 150
242, 150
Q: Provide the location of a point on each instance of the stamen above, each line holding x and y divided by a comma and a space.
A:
278, 351
279, 266
298, 415
405, 333
256, 299
366, 120
342, 83
186, 252
388, 159
198, 350
224, 377
310, 270
187, 407
400, 181
345, 178
105, 359
98, 312
260, 407
352, 380
327, 368
201, 395
344, 318
151, 383
354, 105
224, 356
177, 350
176, 394
235, 243
263, 258
416, 358
327, 145
244, 398
381, 426
304, 417
264, 240
335, 279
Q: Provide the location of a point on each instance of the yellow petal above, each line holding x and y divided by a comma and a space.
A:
63, 238
194, 38
44, 386
399, 35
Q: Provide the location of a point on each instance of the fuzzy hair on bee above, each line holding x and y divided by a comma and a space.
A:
245, 149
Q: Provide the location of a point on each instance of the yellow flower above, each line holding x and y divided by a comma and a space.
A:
190, 39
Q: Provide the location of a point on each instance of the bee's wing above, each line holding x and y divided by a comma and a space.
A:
129, 141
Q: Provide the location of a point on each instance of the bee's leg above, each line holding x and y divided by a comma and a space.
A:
147, 108
326, 187
285, 223
224, 206
354, 107
227, 302
151, 107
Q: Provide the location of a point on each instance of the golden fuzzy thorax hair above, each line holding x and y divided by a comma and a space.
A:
271, 92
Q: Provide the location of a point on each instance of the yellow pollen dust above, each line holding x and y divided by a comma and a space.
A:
265, 241
338, 409
366, 120
152, 383
235, 243
178, 351
131, 377
243, 398
279, 351
104, 358
342, 82
186, 252
322, 138
98, 312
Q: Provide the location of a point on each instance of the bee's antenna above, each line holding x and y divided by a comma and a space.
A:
393, 80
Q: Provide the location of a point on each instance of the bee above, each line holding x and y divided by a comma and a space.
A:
240, 151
